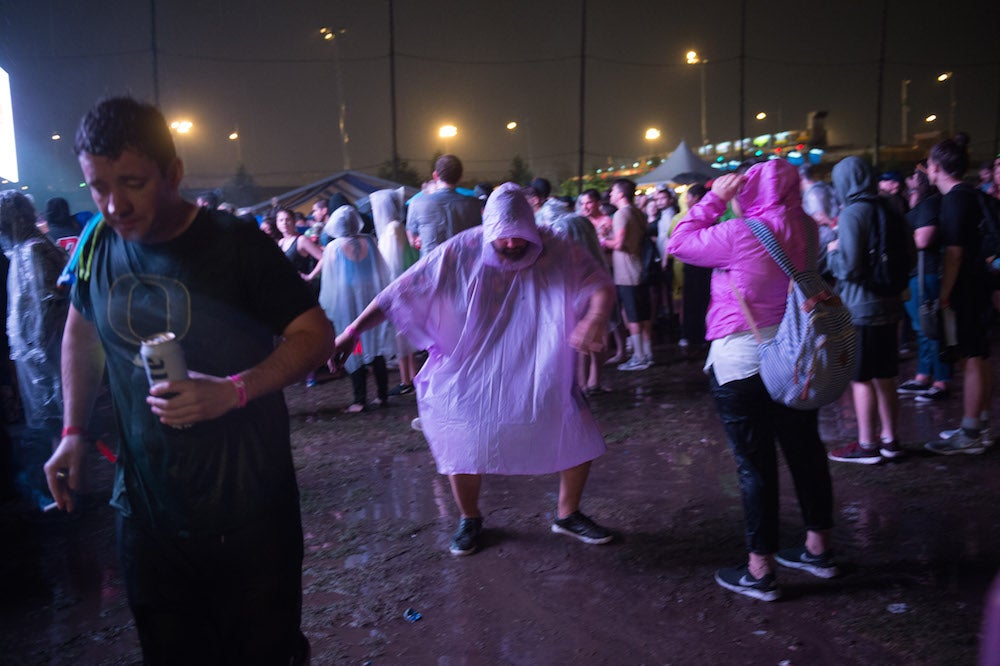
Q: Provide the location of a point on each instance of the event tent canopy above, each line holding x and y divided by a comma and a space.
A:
682, 167
354, 185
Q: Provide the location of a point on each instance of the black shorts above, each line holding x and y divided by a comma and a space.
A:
635, 302
878, 353
972, 324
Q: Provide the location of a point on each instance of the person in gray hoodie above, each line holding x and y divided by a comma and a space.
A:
873, 386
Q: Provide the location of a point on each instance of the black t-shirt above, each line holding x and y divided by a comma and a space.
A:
926, 214
225, 290
960, 216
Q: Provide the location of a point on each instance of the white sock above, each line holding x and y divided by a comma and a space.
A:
647, 347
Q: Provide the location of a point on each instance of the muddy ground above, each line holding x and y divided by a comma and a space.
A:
920, 540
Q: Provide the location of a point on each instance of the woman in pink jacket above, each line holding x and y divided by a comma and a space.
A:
768, 192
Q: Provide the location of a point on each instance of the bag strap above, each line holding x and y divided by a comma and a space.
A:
773, 247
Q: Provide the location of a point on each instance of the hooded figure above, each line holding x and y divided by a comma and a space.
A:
855, 183
494, 307
353, 273
36, 315
37, 311
387, 212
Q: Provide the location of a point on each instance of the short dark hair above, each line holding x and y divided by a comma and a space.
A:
542, 186
592, 193
626, 186
697, 191
115, 124
449, 169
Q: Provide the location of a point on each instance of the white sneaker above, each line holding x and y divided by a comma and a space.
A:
415, 424
958, 443
985, 436
634, 363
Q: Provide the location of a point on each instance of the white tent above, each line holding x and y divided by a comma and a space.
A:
354, 185
683, 166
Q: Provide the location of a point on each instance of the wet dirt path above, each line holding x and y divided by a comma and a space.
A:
920, 539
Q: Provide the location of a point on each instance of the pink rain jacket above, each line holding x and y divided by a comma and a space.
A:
497, 394
770, 194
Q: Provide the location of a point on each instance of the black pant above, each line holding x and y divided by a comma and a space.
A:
695, 297
233, 599
359, 380
752, 422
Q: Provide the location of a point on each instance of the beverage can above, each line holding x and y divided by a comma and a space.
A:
163, 358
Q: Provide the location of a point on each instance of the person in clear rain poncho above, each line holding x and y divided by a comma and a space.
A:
36, 314
500, 309
352, 274
387, 212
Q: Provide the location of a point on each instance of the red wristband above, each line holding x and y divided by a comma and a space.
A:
73, 430
241, 389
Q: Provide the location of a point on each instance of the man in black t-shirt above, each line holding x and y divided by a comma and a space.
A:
210, 536
964, 291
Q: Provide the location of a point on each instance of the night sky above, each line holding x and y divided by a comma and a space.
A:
264, 68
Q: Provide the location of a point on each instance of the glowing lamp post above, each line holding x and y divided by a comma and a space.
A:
692, 58
447, 132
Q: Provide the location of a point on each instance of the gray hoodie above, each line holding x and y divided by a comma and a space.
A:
855, 184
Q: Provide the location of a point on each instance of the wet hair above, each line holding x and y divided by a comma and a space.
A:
449, 169
627, 188
952, 155
117, 124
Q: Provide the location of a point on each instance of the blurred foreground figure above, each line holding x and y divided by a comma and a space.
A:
500, 309
209, 533
36, 316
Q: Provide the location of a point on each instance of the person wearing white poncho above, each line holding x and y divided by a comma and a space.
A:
500, 309
352, 274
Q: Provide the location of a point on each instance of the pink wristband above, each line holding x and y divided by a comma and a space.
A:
241, 389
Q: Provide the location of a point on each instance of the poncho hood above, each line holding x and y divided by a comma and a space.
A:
771, 190
17, 220
345, 221
509, 215
854, 181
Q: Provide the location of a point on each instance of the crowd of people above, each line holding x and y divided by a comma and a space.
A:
514, 299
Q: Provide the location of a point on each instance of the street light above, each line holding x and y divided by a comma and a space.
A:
761, 116
56, 137
447, 132
950, 77
692, 58
182, 126
512, 125
931, 118
234, 136
652, 134
331, 35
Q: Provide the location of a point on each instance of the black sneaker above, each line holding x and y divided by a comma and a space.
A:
402, 389
933, 394
913, 387
465, 541
822, 566
740, 581
583, 528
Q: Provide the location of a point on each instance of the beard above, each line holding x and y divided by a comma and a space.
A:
512, 253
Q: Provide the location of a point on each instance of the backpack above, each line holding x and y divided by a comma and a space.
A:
891, 253
811, 358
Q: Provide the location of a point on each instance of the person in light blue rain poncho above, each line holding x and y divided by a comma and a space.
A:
353, 273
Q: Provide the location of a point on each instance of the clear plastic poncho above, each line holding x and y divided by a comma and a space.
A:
36, 311
387, 212
498, 393
352, 275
